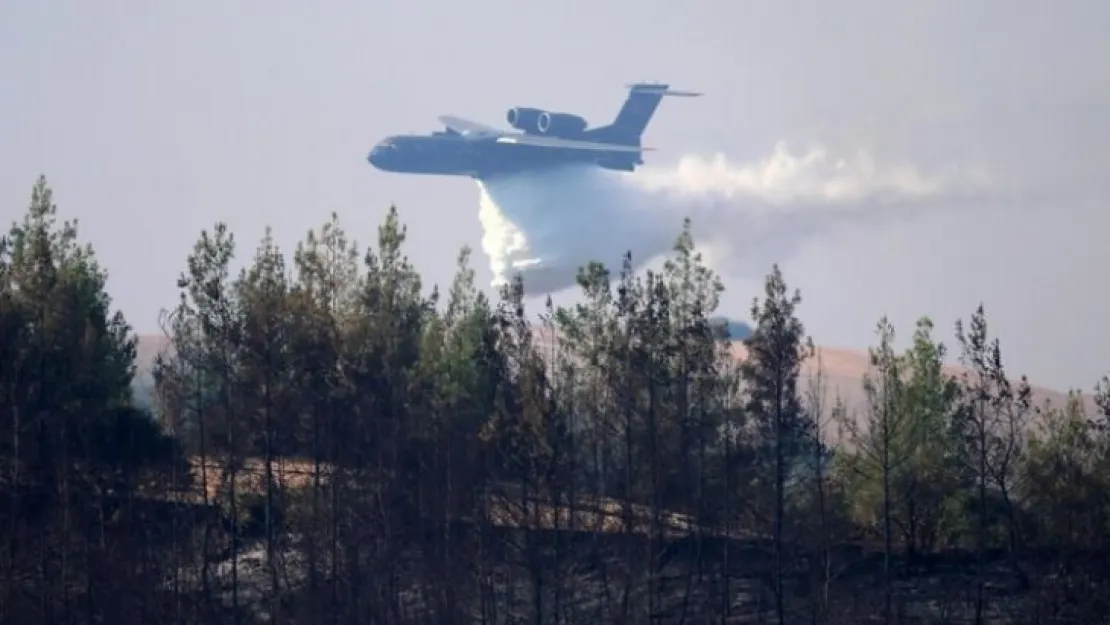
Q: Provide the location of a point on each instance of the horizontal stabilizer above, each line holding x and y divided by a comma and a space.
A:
662, 90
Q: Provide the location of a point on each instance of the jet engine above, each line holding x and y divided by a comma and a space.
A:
524, 118
560, 124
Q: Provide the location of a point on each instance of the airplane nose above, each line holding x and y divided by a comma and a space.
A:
379, 156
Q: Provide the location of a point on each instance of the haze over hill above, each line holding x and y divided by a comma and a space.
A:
842, 369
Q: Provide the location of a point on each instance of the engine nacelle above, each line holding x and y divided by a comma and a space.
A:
560, 124
524, 118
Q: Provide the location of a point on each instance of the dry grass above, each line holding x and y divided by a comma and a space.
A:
505, 507
289, 474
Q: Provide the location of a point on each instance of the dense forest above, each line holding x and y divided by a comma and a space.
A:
330, 440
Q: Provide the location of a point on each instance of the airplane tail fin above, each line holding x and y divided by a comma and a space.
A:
636, 113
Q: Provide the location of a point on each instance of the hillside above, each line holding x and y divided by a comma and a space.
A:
843, 368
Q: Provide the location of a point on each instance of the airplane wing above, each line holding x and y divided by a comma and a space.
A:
467, 127
474, 129
569, 144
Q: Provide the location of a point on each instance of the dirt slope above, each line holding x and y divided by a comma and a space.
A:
844, 369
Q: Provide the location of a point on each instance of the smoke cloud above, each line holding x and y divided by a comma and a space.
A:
745, 216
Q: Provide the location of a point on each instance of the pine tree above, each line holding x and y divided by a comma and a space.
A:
776, 350
815, 404
886, 443
324, 299
928, 480
586, 333
1064, 466
991, 428
263, 386
381, 361
70, 462
195, 383
698, 363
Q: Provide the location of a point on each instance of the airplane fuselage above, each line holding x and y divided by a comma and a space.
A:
451, 154
541, 140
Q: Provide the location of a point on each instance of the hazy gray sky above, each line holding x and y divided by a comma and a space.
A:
154, 120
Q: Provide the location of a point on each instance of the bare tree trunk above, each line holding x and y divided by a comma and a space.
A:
206, 546
231, 469
888, 589
726, 572
65, 496
311, 540
338, 477
780, 497
176, 561
271, 508
14, 527
981, 540
816, 393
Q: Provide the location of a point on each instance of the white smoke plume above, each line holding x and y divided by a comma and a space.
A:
546, 225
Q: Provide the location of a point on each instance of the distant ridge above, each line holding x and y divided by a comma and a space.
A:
843, 370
